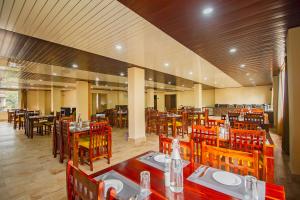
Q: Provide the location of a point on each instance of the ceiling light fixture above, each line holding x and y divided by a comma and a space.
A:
205, 78
207, 11
97, 79
74, 65
169, 82
232, 50
250, 79
118, 47
150, 79
40, 80
126, 82
54, 74
182, 85
243, 65
191, 73
248, 74
122, 74
166, 64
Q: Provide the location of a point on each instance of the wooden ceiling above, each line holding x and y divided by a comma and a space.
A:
256, 28
24, 49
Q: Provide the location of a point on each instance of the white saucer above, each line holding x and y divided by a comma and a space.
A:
160, 158
116, 184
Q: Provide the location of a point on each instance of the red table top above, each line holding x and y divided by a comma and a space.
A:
131, 169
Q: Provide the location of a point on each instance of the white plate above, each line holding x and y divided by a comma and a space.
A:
227, 178
160, 158
116, 184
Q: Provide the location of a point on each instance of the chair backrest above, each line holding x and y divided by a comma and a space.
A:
200, 134
233, 116
245, 125
165, 146
80, 186
247, 140
214, 122
255, 118
100, 138
237, 162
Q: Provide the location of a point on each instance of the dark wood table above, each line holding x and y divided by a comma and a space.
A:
33, 118
131, 169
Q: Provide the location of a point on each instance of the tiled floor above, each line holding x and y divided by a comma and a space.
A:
29, 171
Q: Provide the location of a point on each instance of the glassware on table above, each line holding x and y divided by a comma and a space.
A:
167, 170
145, 183
251, 188
176, 169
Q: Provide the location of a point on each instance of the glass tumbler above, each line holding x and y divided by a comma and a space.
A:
251, 188
145, 183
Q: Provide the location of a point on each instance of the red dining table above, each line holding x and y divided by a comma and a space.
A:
131, 169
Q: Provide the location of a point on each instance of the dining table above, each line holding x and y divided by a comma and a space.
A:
130, 170
34, 118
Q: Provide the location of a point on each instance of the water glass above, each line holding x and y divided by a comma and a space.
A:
251, 188
145, 182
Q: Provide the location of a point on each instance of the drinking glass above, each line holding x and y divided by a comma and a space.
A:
251, 188
145, 182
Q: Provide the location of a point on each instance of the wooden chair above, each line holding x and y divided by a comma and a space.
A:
237, 162
233, 116
80, 186
200, 134
161, 124
48, 125
65, 140
245, 125
247, 140
56, 138
165, 146
255, 118
182, 127
98, 145
214, 122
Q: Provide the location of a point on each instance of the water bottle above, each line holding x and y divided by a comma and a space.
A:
176, 170
167, 170
79, 120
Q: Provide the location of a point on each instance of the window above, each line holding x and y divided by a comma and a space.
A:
8, 100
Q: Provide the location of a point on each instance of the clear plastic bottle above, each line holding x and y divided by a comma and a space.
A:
176, 170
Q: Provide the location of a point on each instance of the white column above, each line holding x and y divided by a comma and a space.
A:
82, 99
55, 99
275, 99
293, 67
198, 95
136, 104
150, 98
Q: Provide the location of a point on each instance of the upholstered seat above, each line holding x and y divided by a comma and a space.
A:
177, 124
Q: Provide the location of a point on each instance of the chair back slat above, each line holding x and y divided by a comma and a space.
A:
238, 162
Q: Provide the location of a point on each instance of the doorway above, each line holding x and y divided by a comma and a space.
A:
170, 101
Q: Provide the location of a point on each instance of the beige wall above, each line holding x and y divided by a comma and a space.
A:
68, 98
244, 95
39, 100
293, 68
3, 116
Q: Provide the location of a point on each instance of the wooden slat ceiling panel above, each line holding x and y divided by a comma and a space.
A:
257, 28
27, 51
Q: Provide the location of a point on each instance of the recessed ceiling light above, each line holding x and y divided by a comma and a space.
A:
126, 82
150, 79
122, 74
54, 74
182, 85
232, 50
243, 65
250, 79
207, 11
66, 86
248, 74
190, 73
169, 82
205, 78
40, 80
97, 79
74, 65
166, 64
118, 46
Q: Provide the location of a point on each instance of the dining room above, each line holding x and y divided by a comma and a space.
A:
132, 100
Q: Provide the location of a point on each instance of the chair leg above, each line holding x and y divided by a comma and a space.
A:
91, 165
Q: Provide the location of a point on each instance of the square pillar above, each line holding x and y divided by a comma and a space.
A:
150, 98
198, 95
293, 69
82, 99
136, 104
55, 99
